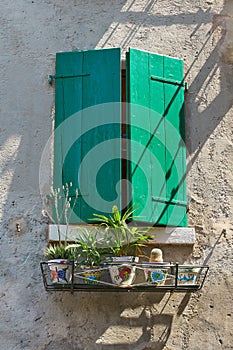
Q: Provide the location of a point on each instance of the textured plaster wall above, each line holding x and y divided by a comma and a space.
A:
31, 32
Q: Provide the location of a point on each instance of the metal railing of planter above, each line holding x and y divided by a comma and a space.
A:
117, 277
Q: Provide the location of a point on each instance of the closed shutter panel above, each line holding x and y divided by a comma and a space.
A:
157, 168
85, 79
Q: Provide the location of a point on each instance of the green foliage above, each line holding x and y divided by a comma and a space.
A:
114, 220
89, 248
58, 251
120, 238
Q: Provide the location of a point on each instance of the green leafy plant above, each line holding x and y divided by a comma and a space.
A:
114, 220
89, 247
121, 238
60, 201
58, 251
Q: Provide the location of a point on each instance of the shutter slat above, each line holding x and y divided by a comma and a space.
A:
139, 136
175, 145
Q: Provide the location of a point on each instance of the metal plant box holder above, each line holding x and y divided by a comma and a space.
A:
165, 277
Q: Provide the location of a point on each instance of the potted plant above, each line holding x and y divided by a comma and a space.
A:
124, 244
59, 262
88, 252
60, 259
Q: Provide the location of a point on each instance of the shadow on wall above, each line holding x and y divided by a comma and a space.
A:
151, 323
137, 19
122, 322
204, 117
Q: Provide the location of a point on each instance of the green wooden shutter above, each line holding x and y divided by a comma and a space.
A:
157, 167
85, 79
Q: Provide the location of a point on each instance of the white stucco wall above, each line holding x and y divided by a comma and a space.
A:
31, 32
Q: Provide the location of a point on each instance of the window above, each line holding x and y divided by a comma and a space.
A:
99, 141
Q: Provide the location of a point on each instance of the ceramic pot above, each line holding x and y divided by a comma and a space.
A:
61, 271
187, 275
155, 273
91, 274
123, 273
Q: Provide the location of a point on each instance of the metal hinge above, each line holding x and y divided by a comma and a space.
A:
52, 77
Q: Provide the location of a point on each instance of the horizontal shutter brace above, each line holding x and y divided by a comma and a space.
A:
170, 81
48, 197
51, 77
172, 202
